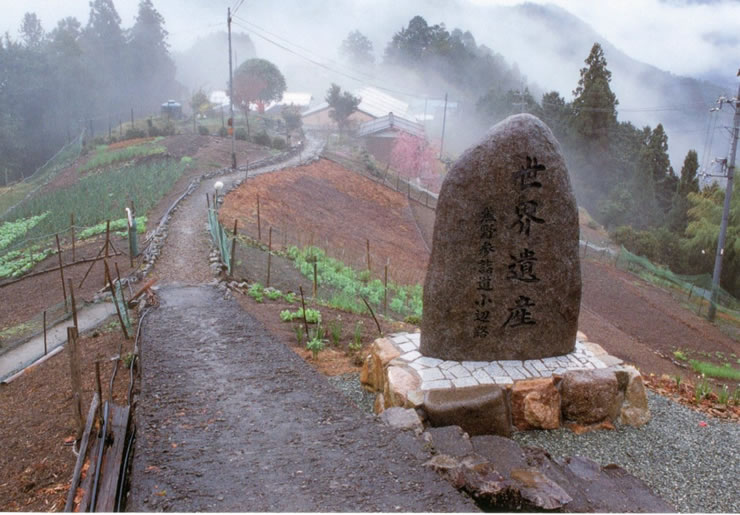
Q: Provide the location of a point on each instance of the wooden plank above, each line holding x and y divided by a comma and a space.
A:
138, 294
88, 481
83, 454
111, 469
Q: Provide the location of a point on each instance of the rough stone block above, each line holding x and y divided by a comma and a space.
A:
379, 404
588, 396
403, 419
478, 410
372, 375
398, 382
635, 411
535, 404
449, 440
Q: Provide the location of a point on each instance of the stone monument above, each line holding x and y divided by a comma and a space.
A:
504, 279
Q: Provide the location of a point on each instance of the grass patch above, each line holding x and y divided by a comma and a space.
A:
105, 157
719, 371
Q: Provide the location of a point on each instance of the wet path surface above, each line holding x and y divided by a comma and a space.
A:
229, 420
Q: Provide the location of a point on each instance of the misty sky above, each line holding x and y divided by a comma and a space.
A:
699, 38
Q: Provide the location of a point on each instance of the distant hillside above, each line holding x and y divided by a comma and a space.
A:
206, 64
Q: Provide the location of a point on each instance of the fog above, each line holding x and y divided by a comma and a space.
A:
546, 41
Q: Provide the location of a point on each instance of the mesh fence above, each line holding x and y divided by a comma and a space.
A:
13, 197
220, 239
700, 285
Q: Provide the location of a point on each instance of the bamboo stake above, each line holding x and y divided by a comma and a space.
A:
269, 255
232, 262
72, 228
115, 302
259, 222
61, 272
91, 266
123, 298
303, 304
45, 348
107, 238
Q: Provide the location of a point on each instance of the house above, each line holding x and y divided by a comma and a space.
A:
300, 100
374, 104
380, 135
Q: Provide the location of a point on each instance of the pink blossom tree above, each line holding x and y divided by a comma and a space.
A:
413, 157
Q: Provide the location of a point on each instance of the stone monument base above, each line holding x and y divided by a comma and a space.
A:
585, 389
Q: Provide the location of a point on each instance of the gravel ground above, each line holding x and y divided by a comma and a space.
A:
349, 385
694, 468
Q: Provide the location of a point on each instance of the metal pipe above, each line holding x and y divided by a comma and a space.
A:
94, 493
124, 469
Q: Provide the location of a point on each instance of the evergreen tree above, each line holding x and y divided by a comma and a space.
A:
104, 48
594, 105
32, 33
556, 113
342, 106
655, 159
152, 67
689, 183
357, 49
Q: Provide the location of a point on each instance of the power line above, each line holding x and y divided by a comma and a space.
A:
238, 5
326, 66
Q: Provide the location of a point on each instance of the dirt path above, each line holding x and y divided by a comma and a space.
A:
230, 420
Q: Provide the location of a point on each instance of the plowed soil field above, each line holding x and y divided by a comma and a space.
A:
332, 207
325, 204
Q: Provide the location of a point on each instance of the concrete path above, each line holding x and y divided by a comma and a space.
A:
230, 420
26, 353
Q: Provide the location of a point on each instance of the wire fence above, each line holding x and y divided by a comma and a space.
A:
388, 177
13, 196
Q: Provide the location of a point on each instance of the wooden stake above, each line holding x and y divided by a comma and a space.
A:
315, 280
74, 305
368, 254
92, 264
75, 379
72, 229
98, 385
113, 293
385, 289
107, 238
303, 304
380, 332
61, 272
259, 222
269, 255
208, 201
45, 348
232, 263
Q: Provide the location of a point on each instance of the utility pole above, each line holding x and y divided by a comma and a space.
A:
444, 123
231, 94
726, 210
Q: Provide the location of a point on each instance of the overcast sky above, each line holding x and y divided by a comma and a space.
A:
686, 37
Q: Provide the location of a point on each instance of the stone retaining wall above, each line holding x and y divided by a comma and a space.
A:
585, 389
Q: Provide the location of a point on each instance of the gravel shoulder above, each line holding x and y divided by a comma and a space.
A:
693, 466
230, 420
